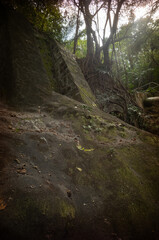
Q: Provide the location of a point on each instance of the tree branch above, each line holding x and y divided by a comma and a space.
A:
98, 10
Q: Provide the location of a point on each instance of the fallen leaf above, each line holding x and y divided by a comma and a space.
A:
84, 149
17, 160
79, 169
44, 139
2, 205
89, 150
36, 167
94, 105
80, 147
21, 171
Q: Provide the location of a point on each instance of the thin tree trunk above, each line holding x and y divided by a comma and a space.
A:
110, 39
125, 71
76, 34
106, 56
90, 45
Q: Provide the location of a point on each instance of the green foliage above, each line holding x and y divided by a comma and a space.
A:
81, 50
137, 55
44, 15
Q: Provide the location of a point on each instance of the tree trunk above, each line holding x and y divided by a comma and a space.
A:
106, 56
84, 6
90, 45
112, 33
76, 35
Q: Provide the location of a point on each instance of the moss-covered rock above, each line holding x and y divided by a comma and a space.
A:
32, 65
67, 170
70, 80
23, 77
64, 181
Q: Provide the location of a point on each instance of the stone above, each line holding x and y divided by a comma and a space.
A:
37, 65
97, 182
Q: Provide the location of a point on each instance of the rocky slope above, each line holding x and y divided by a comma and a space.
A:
68, 170
71, 171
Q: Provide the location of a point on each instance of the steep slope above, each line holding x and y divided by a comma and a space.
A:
67, 170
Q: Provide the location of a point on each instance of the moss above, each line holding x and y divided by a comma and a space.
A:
151, 139
87, 96
136, 195
122, 134
88, 136
141, 170
70, 171
94, 127
102, 138
47, 60
26, 208
82, 179
66, 210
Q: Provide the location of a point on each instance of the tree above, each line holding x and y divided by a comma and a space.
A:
112, 9
139, 54
43, 14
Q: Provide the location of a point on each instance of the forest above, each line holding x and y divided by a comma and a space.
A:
79, 119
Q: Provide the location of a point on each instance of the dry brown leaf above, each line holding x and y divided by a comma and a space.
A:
2, 204
17, 160
21, 171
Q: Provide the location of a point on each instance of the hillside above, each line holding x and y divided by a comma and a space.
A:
67, 169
